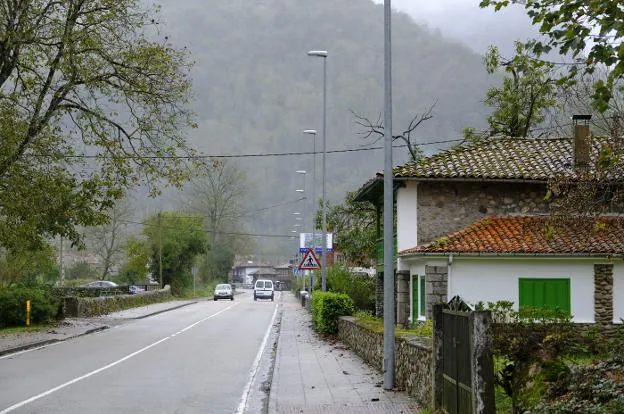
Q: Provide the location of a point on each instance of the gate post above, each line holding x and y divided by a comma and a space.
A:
438, 355
482, 364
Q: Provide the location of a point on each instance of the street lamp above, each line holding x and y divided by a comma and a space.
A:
323, 54
313, 133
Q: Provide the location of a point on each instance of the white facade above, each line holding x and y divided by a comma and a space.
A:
490, 279
407, 216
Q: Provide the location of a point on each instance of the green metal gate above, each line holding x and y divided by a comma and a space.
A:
457, 363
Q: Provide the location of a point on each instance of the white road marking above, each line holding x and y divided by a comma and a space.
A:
112, 364
254, 367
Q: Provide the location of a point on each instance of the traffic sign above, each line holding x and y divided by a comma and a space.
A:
309, 261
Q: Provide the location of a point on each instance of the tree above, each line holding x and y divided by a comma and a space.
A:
353, 223
375, 130
573, 26
28, 265
84, 74
217, 195
527, 92
136, 267
179, 239
107, 240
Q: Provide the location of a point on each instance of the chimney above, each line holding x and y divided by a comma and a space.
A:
582, 144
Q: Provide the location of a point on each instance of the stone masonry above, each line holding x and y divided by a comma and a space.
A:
402, 297
436, 282
603, 293
444, 208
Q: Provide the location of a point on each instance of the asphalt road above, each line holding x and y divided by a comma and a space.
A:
200, 358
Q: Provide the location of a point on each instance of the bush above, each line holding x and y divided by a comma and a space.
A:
44, 305
593, 389
361, 289
327, 307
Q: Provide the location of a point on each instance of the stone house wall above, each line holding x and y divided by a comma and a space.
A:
413, 358
445, 207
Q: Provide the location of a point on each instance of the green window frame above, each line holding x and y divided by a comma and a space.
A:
540, 293
419, 304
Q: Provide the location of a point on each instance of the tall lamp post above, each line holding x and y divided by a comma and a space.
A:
313, 133
303, 190
323, 54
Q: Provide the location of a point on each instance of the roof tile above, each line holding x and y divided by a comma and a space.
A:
533, 235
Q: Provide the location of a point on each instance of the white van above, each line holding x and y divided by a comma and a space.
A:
263, 289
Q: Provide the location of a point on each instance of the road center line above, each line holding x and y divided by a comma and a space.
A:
112, 364
254, 367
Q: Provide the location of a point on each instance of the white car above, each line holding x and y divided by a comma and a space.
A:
263, 289
223, 291
101, 284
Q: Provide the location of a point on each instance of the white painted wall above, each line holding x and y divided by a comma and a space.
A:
407, 216
618, 293
493, 279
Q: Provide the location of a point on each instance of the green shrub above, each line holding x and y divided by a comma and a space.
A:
592, 389
361, 289
44, 305
327, 307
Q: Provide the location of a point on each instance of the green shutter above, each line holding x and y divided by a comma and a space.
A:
538, 293
422, 296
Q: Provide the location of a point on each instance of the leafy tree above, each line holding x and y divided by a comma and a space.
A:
527, 92
136, 267
573, 26
353, 224
182, 239
28, 266
83, 87
80, 270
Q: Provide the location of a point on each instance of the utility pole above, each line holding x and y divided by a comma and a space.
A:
388, 206
160, 249
62, 281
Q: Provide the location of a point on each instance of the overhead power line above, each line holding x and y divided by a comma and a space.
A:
268, 154
205, 231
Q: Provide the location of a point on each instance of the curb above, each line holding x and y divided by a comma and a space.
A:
88, 332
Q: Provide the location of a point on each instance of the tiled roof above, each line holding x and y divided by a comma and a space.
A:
532, 235
508, 158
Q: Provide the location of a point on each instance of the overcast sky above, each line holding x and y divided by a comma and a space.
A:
465, 21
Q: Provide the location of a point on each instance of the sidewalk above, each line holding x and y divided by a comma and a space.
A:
313, 376
74, 327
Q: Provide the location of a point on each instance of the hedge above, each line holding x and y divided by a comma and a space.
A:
44, 305
327, 307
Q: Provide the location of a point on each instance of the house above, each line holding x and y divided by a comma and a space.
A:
243, 270
574, 263
449, 192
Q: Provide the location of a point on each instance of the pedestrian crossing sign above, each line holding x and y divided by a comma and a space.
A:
309, 261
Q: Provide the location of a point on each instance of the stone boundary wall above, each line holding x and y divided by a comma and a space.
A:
78, 307
413, 360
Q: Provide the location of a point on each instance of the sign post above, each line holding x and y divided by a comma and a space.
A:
309, 261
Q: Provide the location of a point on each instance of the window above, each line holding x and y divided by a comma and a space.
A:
419, 304
540, 293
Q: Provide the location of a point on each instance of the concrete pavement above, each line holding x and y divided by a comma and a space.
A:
314, 376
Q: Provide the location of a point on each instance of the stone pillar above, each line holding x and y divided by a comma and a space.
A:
603, 294
482, 363
402, 299
436, 282
437, 355
379, 295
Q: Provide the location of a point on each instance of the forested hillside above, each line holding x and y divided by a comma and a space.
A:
256, 89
